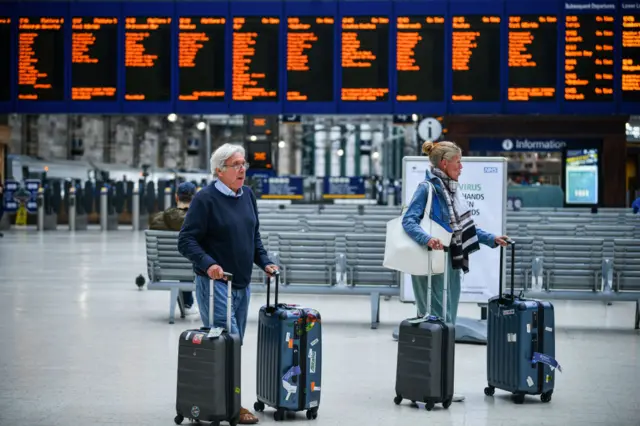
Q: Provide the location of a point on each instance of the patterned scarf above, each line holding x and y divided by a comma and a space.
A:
464, 240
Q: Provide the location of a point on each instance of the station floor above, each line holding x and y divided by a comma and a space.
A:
81, 345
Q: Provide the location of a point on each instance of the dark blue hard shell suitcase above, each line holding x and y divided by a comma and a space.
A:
289, 363
520, 344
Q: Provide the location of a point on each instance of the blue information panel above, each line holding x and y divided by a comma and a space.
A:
14, 195
581, 177
430, 57
283, 188
10, 188
343, 187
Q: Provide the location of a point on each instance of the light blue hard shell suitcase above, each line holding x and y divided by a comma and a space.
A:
289, 363
520, 344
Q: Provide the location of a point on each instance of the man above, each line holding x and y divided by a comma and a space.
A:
636, 205
221, 234
171, 220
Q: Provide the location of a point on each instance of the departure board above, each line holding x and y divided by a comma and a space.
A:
260, 155
41, 58
419, 58
475, 60
94, 58
533, 58
255, 58
201, 58
365, 58
310, 58
147, 58
588, 58
5, 59
631, 58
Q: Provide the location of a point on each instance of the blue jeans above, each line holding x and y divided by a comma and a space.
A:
239, 305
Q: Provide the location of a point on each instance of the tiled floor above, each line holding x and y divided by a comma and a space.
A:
80, 345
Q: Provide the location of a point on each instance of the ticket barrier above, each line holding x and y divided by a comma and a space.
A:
78, 218
47, 215
108, 214
138, 206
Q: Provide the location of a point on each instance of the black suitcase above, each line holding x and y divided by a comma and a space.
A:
426, 357
209, 371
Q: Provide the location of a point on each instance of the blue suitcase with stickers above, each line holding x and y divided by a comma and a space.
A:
520, 343
289, 358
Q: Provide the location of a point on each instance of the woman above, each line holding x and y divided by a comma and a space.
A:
448, 207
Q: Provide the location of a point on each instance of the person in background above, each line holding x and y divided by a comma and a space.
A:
635, 206
221, 233
171, 220
447, 208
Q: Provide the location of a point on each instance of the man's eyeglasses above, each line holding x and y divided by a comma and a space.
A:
237, 167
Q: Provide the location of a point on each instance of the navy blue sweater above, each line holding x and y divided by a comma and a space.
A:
223, 230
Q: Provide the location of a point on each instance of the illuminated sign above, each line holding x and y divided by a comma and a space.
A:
533, 62
310, 43
476, 58
420, 58
631, 57
588, 58
255, 58
94, 58
40, 69
5, 59
365, 58
148, 58
201, 58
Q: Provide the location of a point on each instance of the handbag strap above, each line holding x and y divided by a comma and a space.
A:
427, 208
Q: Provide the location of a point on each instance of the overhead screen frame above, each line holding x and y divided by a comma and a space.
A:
337, 9
7, 10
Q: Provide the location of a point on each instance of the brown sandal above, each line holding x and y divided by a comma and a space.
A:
247, 418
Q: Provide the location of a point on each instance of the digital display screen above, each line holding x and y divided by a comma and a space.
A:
201, 56
5, 59
147, 58
631, 58
588, 58
581, 176
475, 58
310, 43
260, 155
419, 58
365, 58
41, 58
255, 58
94, 58
533, 58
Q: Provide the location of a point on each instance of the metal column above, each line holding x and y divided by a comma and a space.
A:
40, 204
72, 208
103, 209
135, 204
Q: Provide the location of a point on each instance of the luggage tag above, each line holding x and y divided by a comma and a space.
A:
214, 333
546, 359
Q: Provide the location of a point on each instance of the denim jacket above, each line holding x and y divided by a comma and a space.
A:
439, 214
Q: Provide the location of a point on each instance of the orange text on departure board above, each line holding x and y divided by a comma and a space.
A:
190, 41
521, 36
82, 39
465, 41
601, 55
631, 54
135, 55
5, 21
407, 40
246, 85
300, 39
355, 57
28, 72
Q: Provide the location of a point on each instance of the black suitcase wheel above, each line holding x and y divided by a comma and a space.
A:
178, 419
546, 397
489, 390
312, 414
258, 406
279, 415
429, 405
397, 399
518, 398
446, 404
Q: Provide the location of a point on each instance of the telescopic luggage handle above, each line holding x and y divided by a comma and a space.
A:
213, 331
511, 243
276, 274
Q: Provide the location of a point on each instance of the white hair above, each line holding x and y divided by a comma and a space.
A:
222, 154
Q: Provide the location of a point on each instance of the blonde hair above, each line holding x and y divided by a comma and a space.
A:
437, 151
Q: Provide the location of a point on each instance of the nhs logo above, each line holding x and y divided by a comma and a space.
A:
491, 170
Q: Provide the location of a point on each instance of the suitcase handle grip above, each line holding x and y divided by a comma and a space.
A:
229, 278
511, 243
276, 274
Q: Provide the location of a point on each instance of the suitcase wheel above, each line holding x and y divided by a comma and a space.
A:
546, 397
258, 406
312, 414
279, 414
397, 399
429, 405
489, 390
518, 398
178, 419
446, 404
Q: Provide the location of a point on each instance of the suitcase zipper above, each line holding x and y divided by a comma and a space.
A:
302, 396
540, 345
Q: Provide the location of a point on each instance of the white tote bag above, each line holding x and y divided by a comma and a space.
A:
403, 254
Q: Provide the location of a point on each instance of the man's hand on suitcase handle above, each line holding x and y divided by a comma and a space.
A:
272, 270
504, 241
215, 272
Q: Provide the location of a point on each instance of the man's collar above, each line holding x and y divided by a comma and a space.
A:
226, 190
